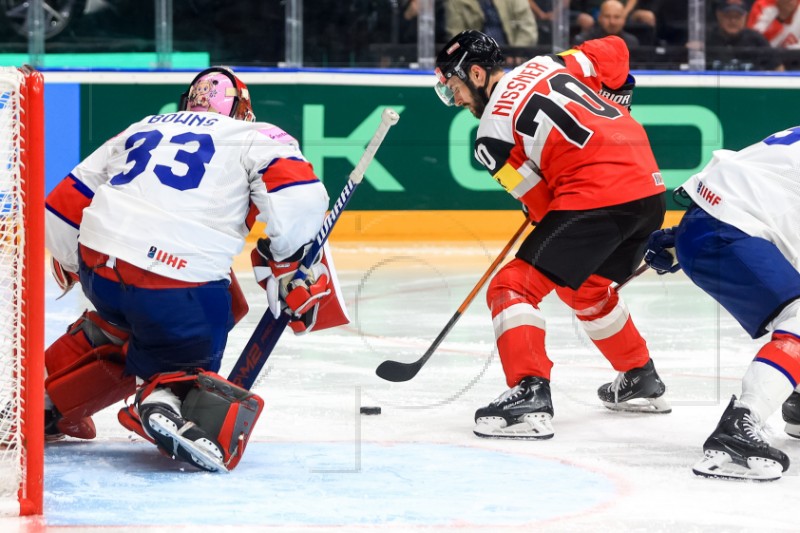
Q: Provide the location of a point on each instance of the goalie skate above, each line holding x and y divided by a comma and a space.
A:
522, 412
638, 390
181, 438
791, 415
736, 450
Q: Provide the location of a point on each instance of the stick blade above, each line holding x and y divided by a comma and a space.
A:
396, 371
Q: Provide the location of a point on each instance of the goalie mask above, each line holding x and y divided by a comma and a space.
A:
217, 90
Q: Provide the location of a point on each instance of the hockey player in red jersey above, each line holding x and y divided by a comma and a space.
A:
149, 224
557, 134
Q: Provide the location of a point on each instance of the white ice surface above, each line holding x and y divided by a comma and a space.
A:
316, 464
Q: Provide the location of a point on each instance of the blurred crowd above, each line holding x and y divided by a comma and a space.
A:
739, 34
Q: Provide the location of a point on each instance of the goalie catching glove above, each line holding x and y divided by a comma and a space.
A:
298, 297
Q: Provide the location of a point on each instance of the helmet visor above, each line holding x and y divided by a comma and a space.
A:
445, 94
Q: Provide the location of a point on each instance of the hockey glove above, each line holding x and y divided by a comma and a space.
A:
298, 297
622, 95
66, 280
658, 256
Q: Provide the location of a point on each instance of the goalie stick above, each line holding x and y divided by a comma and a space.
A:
269, 329
398, 371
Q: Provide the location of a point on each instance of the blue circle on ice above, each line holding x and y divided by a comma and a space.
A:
316, 484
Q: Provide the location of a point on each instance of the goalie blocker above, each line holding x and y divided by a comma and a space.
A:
314, 302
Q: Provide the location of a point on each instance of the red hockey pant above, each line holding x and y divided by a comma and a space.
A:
514, 295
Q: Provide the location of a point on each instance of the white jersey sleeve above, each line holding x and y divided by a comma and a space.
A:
62, 213
285, 191
756, 189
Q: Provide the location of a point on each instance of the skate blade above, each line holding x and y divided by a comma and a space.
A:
202, 457
718, 465
535, 426
641, 405
793, 430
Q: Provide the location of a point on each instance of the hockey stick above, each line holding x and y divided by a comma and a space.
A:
269, 329
636, 274
397, 371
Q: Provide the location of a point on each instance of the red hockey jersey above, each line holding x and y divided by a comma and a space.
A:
551, 141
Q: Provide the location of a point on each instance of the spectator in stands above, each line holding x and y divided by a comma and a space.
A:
778, 21
635, 11
544, 13
610, 21
642, 12
408, 12
733, 46
588, 11
509, 22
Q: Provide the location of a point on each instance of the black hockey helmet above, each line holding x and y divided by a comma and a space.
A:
470, 47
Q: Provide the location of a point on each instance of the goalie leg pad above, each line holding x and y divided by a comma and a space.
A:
215, 422
226, 411
86, 373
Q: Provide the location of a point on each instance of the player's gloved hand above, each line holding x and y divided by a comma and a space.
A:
66, 280
622, 95
658, 255
299, 296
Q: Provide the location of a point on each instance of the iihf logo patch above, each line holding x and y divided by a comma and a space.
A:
168, 259
707, 195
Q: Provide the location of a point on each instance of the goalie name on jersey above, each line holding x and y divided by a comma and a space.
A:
187, 119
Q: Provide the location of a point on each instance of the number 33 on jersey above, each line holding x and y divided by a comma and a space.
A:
187, 185
546, 125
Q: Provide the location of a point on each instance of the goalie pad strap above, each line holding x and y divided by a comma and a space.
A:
82, 336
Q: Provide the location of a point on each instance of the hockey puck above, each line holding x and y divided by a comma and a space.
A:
370, 410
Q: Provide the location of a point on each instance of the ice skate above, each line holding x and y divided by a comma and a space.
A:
522, 412
180, 438
639, 390
791, 415
737, 450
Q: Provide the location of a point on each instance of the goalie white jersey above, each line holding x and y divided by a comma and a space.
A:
756, 189
175, 194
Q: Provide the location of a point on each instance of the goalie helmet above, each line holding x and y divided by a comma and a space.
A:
470, 47
218, 90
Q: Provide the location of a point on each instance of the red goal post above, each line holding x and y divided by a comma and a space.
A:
22, 264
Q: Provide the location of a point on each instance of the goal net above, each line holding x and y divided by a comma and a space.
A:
21, 290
